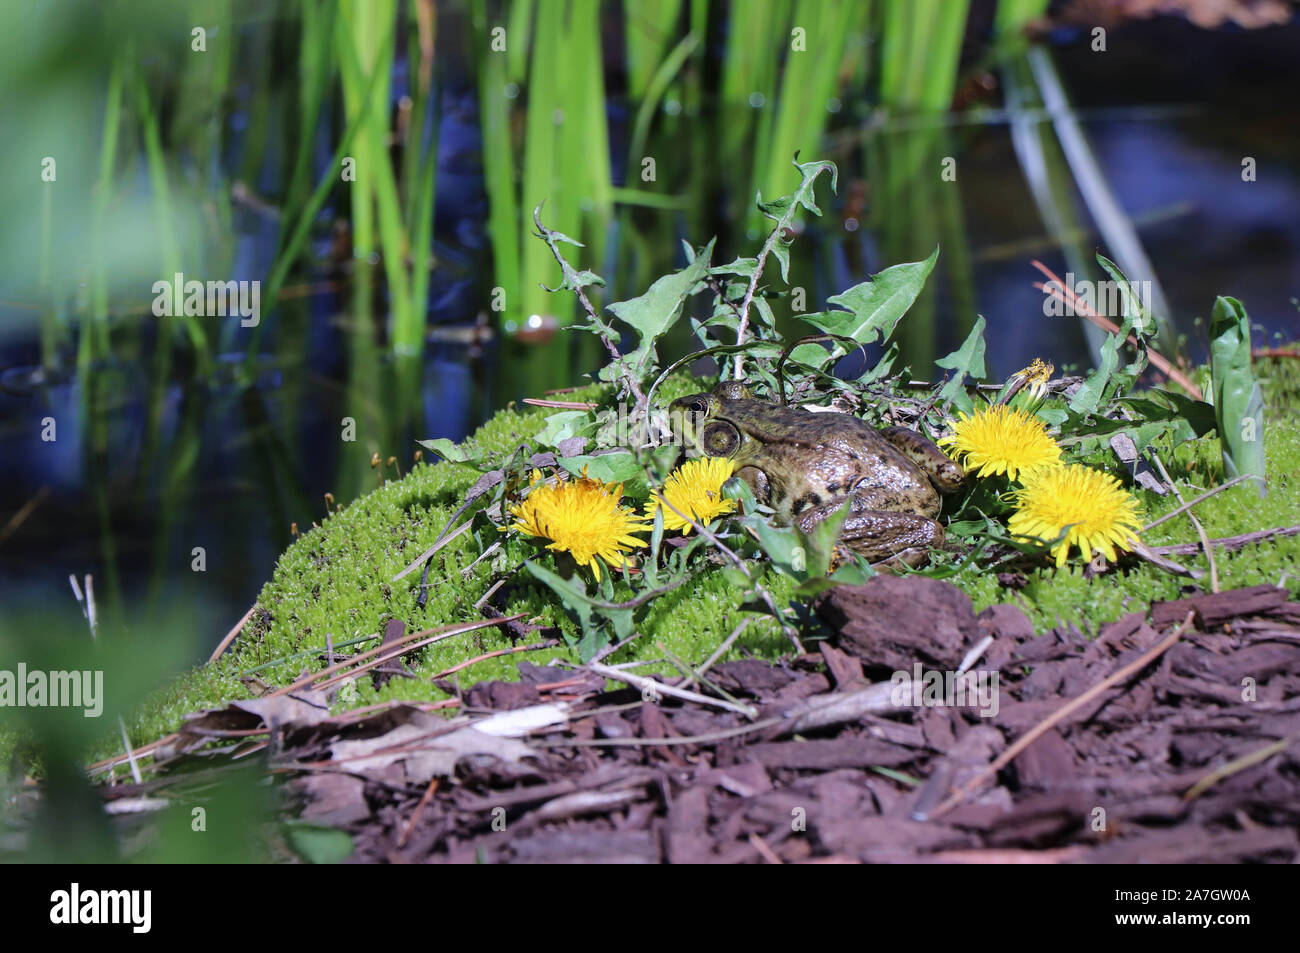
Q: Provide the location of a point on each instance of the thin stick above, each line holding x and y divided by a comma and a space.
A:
560, 404
443, 541
360, 714
465, 573
1204, 496
748, 299
659, 742
973, 655
722, 649
1200, 530
419, 809
86, 601
1143, 551
1044, 726
1081, 306
650, 685
547, 644
144, 751
926, 385
762, 847
401, 647
76, 591
482, 600
1238, 765
396, 651
231, 635
613, 647
130, 755
690, 676
26, 510
1230, 543
308, 653
821, 711
92, 616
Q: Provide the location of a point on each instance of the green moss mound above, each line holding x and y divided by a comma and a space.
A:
336, 580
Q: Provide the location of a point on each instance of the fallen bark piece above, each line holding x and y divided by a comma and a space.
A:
1218, 607
892, 621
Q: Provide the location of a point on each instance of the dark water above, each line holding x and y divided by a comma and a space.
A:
1170, 112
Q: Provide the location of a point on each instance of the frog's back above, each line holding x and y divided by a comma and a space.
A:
796, 427
815, 458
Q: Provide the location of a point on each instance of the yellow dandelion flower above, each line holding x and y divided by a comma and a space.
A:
526, 514
694, 489
1002, 440
582, 517
1090, 507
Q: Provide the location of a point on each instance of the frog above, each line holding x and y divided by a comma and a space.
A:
809, 466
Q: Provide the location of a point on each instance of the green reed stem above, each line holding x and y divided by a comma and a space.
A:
290, 248
648, 28
519, 28
419, 186
807, 84
165, 217
504, 221
94, 332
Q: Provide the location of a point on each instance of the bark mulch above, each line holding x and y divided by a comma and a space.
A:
1171, 737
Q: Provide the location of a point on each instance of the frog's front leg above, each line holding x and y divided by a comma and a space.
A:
946, 475
878, 535
758, 483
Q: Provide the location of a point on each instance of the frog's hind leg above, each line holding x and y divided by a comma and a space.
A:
943, 472
910, 558
877, 535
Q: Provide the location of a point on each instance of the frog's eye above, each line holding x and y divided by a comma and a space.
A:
698, 404
733, 390
720, 439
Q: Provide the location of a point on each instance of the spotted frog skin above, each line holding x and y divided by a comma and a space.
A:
807, 465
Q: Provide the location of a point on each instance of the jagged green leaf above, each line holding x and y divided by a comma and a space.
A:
872, 309
453, 452
571, 592
564, 424
653, 313
606, 467
966, 361
1143, 322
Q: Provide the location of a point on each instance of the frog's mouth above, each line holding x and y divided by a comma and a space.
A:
681, 422
688, 416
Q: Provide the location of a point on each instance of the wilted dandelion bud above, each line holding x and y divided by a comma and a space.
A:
1027, 388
